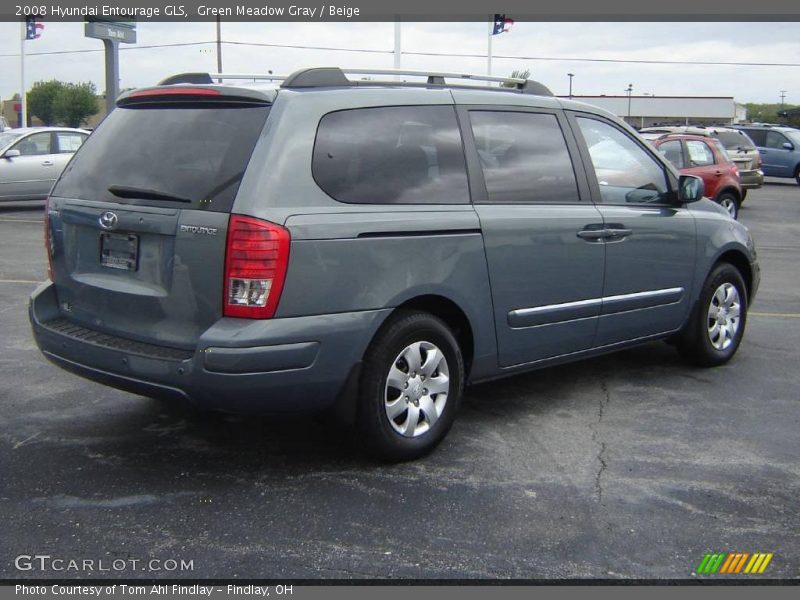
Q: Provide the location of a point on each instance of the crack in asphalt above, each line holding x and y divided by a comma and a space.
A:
601, 453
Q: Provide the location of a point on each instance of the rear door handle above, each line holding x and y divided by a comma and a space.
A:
47, 163
592, 234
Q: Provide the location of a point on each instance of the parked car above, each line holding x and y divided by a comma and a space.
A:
32, 158
4, 126
370, 248
779, 148
704, 157
739, 147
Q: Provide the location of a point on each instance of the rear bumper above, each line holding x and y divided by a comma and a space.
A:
751, 179
239, 365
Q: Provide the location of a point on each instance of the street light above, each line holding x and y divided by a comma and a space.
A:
629, 89
570, 75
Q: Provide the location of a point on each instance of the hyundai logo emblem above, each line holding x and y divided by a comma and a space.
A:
108, 220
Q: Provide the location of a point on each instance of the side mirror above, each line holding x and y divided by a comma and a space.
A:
11, 154
690, 188
787, 146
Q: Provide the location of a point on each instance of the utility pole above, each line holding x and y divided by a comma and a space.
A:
783, 97
219, 46
570, 75
629, 89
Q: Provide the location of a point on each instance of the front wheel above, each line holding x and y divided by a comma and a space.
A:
411, 386
729, 202
715, 330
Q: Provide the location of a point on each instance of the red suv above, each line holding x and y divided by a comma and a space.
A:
706, 158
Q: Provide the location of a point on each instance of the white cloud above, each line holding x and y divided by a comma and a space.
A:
691, 42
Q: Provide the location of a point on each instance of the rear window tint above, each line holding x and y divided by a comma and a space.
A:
195, 153
733, 141
391, 155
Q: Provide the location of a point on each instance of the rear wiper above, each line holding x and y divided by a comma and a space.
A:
125, 191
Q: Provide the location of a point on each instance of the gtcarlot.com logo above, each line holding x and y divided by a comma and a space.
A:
48, 563
734, 563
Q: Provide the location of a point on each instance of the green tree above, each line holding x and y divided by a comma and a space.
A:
41, 99
769, 113
517, 74
75, 103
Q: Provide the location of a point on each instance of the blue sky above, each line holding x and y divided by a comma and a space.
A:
691, 42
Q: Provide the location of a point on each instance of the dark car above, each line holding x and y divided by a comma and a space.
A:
369, 248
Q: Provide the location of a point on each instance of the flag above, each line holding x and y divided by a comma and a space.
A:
32, 28
502, 24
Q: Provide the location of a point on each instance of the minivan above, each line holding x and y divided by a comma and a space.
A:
370, 248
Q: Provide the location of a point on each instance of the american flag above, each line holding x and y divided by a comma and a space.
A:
33, 30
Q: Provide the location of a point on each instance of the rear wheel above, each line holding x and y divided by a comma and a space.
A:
729, 202
715, 330
411, 386
797, 174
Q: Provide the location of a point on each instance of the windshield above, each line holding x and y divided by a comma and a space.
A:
153, 154
8, 137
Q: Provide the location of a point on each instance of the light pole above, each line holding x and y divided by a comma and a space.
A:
629, 89
570, 75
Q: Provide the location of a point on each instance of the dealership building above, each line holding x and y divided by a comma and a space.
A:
646, 111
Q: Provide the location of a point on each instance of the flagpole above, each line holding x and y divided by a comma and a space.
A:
489, 52
22, 101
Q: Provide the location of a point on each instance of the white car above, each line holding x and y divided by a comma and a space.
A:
32, 158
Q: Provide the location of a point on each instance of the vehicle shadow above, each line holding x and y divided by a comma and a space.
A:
167, 439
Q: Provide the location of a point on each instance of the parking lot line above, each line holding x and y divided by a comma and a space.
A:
21, 221
769, 314
18, 281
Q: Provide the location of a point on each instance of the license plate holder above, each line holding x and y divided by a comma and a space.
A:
119, 251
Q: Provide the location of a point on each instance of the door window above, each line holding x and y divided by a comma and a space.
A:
776, 140
69, 142
673, 152
700, 155
625, 172
34, 145
524, 157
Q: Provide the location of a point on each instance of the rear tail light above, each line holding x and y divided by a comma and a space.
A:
759, 162
256, 259
48, 239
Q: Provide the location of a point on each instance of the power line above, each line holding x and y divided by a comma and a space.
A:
441, 54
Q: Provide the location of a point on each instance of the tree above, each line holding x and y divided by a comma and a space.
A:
769, 113
41, 99
75, 103
517, 74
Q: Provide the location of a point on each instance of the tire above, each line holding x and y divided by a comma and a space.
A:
744, 195
729, 202
797, 174
704, 341
399, 423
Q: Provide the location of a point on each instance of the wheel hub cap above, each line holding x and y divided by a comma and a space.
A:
724, 313
416, 390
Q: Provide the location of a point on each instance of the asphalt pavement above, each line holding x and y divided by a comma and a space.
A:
632, 465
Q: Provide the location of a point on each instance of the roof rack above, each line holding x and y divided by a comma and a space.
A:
336, 77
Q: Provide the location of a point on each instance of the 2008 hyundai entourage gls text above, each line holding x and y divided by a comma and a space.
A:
370, 248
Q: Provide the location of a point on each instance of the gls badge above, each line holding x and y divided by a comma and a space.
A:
196, 229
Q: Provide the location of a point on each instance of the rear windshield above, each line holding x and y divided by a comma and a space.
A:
734, 141
180, 155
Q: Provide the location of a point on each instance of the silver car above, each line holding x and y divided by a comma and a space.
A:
31, 159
